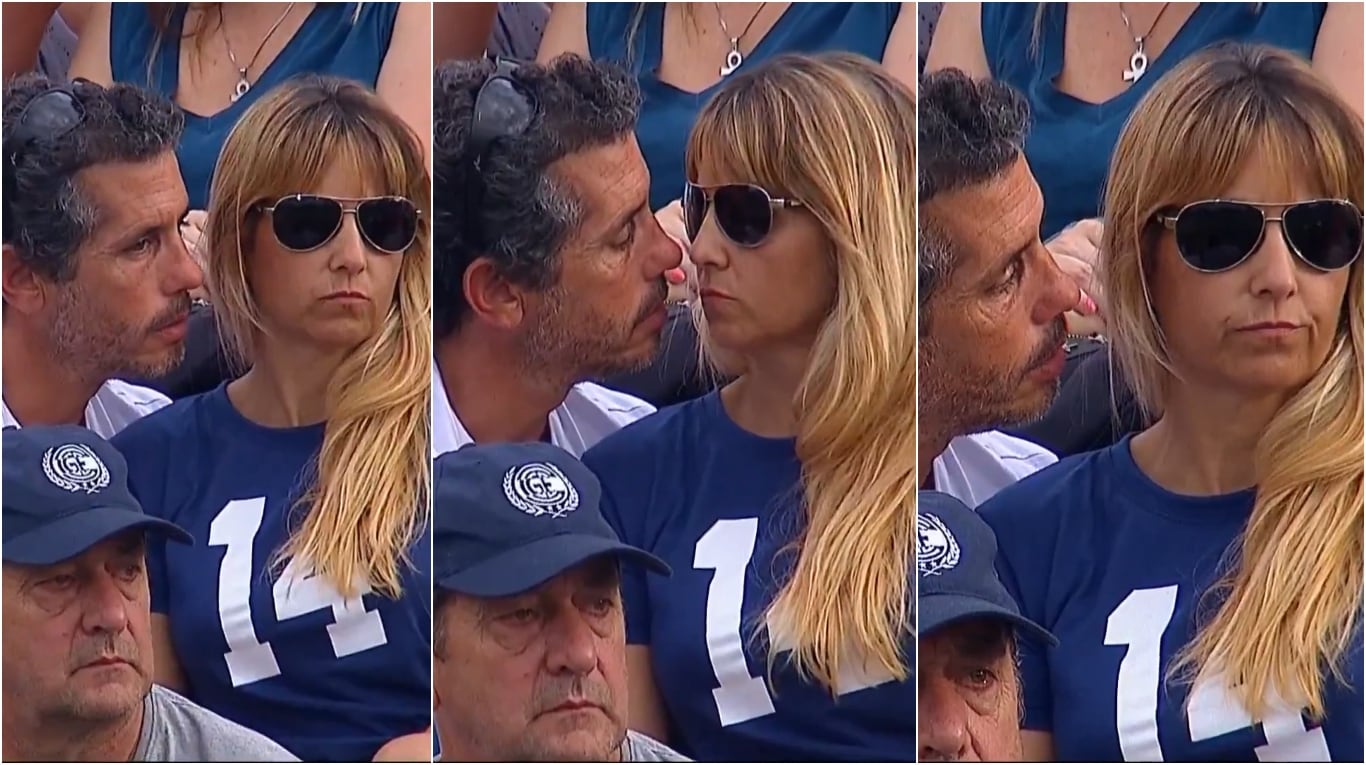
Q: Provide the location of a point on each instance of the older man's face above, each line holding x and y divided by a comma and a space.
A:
77, 642
969, 694
535, 677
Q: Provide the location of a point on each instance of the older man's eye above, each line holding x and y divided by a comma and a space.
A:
520, 617
981, 679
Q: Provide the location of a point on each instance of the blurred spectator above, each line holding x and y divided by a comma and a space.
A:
469, 30
1072, 61
929, 20
235, 52
462, 31
681, 53
518, 30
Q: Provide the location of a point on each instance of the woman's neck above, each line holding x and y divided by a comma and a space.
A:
286, 387
1205, 443
763, 399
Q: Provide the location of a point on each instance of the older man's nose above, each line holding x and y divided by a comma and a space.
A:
943, 725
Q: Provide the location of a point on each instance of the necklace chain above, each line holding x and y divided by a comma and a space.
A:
1138, 62
735, 58
244, 85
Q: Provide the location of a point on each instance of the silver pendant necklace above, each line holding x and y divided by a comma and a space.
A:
734, 58
244, 85
1138, 62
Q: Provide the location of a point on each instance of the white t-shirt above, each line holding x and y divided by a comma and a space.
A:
115, 405
975, 467
589, 414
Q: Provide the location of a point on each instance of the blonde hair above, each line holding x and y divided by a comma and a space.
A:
369, 499
837, 132
1290, 597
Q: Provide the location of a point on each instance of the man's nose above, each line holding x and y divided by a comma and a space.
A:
572, 645
942, 729
183, 273
1060, 293
104, 606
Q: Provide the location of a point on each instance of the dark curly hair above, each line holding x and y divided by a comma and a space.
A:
50, 216
524, 215
969, 131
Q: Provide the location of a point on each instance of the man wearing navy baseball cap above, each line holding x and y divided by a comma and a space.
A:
529, 635
967, 625
77, 645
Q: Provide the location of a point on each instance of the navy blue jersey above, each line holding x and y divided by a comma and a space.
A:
720, 505
1115, 566
264, 644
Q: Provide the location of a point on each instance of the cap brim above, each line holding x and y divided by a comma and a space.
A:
68, 537
935, 612
526, 567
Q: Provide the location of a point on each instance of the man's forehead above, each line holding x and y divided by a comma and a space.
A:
993, 216
615, 175
129, 193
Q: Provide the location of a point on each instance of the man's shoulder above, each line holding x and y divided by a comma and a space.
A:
974, 467
137, 396
1017, 454
118, 404
621, 407
641, 748
191, 732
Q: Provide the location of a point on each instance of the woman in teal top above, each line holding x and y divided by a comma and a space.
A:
640, 37
1079, 106
130, 43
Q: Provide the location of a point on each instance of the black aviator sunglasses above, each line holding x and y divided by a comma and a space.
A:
1217, 235
305, 222
744, 211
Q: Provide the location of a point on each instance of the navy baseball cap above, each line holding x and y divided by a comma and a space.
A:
66, 490
955, 556
509, 517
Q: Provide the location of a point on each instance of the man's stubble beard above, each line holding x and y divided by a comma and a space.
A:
966, 400
84, 338
581, 345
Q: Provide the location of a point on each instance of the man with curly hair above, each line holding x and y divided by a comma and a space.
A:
548, 262
96, 277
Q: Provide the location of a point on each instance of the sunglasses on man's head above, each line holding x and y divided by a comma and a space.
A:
744, 212
1217, 235
48, 116
502, 109
304, 222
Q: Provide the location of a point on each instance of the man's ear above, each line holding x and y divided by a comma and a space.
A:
23, 289
492, 297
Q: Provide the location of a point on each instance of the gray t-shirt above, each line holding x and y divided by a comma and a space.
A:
641, 748
175, 729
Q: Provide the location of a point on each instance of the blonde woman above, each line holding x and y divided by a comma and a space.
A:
302, 609
784, 501
1204, 577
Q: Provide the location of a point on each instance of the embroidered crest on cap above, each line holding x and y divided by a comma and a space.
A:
75, 467
936, 549
539, 488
